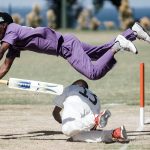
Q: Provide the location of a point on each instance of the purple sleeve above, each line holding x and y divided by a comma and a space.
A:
10, 37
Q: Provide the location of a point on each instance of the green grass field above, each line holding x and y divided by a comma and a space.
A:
120, 85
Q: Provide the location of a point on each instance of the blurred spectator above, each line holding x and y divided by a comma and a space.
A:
71, 9
94, 23
145, 22
33, 19
51, 18
109, 25
17, 18
84, 19
126, 17
87, 21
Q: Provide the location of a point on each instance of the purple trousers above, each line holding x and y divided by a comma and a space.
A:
91, 61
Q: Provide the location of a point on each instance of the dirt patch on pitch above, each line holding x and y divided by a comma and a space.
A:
33, 128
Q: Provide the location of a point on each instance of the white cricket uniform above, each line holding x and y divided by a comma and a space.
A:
78, 117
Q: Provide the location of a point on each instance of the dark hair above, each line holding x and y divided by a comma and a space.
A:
5, 18
81, 83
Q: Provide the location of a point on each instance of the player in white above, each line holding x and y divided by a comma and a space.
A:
81, 115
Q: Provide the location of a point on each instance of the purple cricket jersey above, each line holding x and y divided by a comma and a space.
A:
80, 55
40, 39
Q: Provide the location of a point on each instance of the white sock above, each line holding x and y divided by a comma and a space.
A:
116, 47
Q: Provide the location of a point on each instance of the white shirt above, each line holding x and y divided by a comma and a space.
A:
81, 96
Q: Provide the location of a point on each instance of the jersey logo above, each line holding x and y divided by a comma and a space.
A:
93, 100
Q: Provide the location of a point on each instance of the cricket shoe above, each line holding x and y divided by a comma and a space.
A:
120, 135
126, 44
102, 119
141, 32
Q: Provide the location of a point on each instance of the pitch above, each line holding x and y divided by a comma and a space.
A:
32, 127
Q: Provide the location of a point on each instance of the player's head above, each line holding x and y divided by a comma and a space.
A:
5, 19
81, 83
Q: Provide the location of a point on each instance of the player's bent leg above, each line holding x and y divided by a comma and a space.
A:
105, 136
95, 136
83, 63
67, 130
71, 120
141, 32
129, 34
73, 128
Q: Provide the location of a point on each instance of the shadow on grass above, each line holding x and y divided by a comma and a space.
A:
138, 133
31, 135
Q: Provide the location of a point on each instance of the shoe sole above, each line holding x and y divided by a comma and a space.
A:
124, 138
130, 43
143, 29
104, 118
123, 132
134, 47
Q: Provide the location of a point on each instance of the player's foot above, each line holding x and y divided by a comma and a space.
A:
141, 32
126, 44
102, 119
120, 135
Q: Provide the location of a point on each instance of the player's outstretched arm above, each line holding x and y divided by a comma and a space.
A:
56, 114
4, 68
3, 48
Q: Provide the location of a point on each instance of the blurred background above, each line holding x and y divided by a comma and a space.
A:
79, 14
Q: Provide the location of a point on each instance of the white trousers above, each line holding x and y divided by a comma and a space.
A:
78, 119
94, 136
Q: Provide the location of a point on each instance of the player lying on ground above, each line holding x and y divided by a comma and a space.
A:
16, 38
81, 115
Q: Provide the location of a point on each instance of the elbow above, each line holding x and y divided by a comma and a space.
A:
91, 77
57, 116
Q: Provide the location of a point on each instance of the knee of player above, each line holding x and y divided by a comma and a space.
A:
92, 76
95, 74
68, 131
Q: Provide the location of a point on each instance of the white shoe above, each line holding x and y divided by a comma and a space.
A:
126, 44
141, 32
